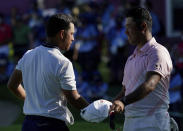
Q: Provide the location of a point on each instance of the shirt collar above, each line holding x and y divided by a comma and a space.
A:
145, 47
52, 46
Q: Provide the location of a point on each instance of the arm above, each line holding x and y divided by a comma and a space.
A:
121, 94
117, 105
14, 84
75, 99
67, 80
150, 83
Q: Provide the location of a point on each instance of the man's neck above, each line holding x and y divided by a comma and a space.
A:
51, 42
144, 41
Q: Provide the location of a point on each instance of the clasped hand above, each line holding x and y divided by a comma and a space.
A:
117, 107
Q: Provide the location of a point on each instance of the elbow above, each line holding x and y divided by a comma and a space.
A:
9, 85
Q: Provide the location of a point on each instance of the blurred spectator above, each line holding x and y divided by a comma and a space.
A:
92, 86
108, 18
36, 24
176, 84
116, 44
22, 40
131, 4
67, 6
35, 9
6, 68
81, 2
10, 20
178, 55
175, 90
156, 28
5, 36
86, 44
30, 14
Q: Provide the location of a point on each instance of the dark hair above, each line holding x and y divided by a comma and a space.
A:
58, 22
140, 15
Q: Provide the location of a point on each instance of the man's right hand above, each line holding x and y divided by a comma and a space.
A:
117, 107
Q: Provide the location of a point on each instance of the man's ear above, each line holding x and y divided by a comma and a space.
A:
62, 35
143, 26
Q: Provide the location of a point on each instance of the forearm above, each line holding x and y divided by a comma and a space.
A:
138, 94
19, 92
14, 84
121, 94
79, 103
152, 79
141, 92
75, 99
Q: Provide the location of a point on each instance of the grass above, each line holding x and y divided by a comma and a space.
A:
14, 127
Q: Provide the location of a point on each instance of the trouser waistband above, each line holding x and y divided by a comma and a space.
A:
36, 117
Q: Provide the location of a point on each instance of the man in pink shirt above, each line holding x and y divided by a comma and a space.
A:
144, 94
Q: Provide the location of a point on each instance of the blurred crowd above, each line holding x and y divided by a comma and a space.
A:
99, 37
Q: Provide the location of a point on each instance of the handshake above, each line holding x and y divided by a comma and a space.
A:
100, 110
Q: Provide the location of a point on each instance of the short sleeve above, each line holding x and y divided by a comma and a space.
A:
66, 76
19, 65
159, 61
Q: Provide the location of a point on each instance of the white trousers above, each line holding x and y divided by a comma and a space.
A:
155, 122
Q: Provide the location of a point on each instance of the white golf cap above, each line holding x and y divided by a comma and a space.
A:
96, 111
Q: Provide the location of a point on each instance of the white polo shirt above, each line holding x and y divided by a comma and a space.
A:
45, 72
151, 57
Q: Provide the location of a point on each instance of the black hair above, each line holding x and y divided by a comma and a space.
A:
58, 22
140, 15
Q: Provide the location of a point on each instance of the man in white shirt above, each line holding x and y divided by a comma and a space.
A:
48, 80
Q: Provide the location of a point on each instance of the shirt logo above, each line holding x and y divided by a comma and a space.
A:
158, 67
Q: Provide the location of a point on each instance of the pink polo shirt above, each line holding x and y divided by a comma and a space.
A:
151, 57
